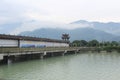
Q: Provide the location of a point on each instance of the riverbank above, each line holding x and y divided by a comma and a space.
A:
110, 49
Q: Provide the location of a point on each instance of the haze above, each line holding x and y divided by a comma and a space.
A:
24, 12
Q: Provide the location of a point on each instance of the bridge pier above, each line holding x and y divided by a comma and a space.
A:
41, 56
10, 59
76, 51
1, 56
52, 54
64, 52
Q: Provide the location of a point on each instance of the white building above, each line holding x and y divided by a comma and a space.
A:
25, 41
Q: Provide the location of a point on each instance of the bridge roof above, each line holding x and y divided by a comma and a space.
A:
18, 37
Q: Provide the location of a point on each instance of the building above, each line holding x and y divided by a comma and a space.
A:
26, 41
65, 37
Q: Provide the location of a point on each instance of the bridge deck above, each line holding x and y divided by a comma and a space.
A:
41, 51
48, 49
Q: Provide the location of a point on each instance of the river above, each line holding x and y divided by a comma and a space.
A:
83, 66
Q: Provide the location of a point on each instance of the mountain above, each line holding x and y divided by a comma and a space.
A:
90, 30
110, 27
80, 22
75, 34
9, 27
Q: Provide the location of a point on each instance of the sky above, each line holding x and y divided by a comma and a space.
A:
21, 14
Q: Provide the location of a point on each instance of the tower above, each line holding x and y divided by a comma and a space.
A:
65, 37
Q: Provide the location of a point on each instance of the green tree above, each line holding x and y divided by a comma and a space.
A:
83, 43
76, 43
114, 43
93, 43
107, 44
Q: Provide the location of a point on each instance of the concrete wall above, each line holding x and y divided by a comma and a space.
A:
24, 43
1, 56
8, 43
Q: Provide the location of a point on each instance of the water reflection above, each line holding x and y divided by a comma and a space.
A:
86, 66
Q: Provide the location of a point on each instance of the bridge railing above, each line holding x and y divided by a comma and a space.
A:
17, 50
20, 50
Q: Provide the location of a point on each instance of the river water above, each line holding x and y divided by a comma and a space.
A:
84, 66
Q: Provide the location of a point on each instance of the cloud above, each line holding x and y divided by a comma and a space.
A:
50, 13
32, 25
60, 10
18, 11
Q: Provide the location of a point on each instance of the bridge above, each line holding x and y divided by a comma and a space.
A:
8, 54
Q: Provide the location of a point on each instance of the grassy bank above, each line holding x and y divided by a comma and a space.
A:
110, 49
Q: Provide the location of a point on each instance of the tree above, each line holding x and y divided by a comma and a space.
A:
93, 43
114, 43
79, 43
76, 43
83, 43
107, 44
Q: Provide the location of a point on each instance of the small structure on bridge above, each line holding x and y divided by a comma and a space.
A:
65, 37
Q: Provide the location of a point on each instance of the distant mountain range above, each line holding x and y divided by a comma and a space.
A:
9, 27
94, 30
110, 27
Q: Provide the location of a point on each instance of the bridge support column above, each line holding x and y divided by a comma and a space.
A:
45, 53
41, 56
64, 52
75, 52
1, 56
52, 54
9, 59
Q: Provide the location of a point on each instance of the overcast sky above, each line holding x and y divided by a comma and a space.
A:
58, 11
